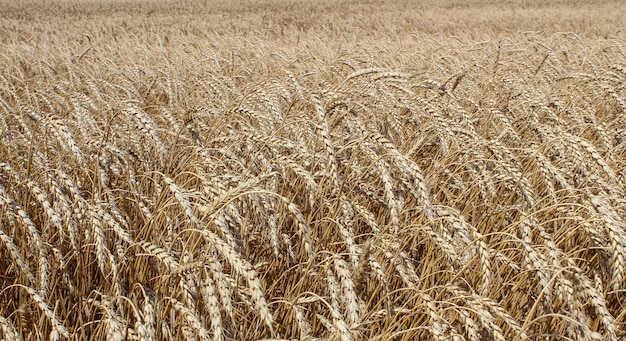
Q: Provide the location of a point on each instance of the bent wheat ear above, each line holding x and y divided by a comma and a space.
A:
245, 269
339, 323
58, 329
324, 133
147, 126
211, 304
8, 329
34, 237
191, 317
148, 314
614, 227
17, 257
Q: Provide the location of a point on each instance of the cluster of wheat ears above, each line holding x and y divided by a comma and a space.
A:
161, 179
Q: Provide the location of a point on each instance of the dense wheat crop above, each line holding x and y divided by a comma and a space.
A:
338, 171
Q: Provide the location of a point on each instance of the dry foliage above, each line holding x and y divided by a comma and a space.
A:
337, 171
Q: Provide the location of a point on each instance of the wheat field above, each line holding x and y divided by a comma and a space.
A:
343, 170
